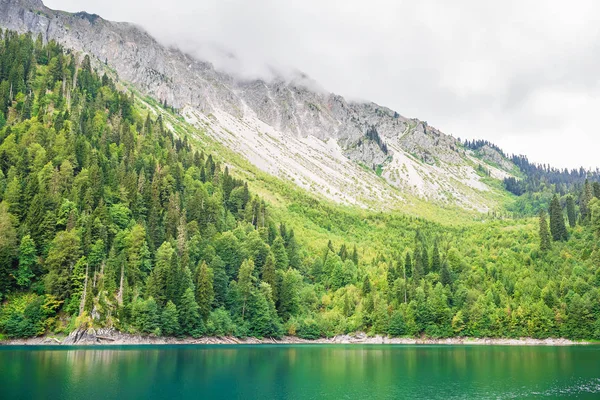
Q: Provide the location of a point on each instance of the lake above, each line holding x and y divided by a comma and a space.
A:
299, 372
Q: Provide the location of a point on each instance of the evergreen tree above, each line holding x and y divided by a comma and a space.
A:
189, 314
445, 277
169, 320
355, 256
557, 221
292, 250
571, 211
366, 286
289, 296
397, 325
27, 261
280, 254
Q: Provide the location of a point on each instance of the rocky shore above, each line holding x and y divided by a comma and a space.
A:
113, 337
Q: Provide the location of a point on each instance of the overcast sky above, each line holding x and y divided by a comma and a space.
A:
522, 74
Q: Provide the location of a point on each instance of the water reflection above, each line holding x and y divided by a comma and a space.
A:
297, 372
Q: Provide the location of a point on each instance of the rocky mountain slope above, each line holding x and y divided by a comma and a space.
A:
351, 152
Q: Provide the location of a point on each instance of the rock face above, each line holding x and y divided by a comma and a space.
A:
285, 126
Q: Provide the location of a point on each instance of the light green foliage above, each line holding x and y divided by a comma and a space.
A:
145, 316
27, 261
178, 234
169, 320
189, 314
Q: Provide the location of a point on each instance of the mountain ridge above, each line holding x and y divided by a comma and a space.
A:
317, 140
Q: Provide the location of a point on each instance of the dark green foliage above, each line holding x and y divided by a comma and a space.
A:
445, 277
205, 294
571, 216
397, 325
557, 221
169, 320
189, 314
544, 232
308, 329
145, 316
103, 208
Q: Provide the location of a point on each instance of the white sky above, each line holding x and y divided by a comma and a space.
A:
522, 74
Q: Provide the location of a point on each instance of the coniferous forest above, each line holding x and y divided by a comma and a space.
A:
108, 218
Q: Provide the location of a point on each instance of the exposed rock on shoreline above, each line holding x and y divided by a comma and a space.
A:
112, 337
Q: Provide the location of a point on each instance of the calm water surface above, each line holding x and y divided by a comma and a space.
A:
299, 372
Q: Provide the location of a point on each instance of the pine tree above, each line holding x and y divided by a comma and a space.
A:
445, 277
280, 254
292, 250
366, 286
544, 232
571, 211
355, 256
392, 275
397, 324
189, 315
557, 221
205, 294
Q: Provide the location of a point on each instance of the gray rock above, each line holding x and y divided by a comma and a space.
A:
291, 106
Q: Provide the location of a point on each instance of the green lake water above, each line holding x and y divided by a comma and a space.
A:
299, 372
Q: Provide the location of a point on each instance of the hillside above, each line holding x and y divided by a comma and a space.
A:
118, 211
289, 128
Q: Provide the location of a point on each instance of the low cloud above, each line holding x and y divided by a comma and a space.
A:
522, 74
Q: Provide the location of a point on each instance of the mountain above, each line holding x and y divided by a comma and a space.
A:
287, 127
120, 213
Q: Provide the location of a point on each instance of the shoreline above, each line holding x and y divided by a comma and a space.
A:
108, 337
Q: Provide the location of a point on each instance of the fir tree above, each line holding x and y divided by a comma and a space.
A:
280, 254
169, 320
445, 277
27, 261
355, 256
571, 216
557, 221
189, 315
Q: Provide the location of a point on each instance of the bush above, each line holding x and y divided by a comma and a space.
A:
25, 316
219, 323
308, 329
397, 324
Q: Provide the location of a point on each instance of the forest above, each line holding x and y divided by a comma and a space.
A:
110, 218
